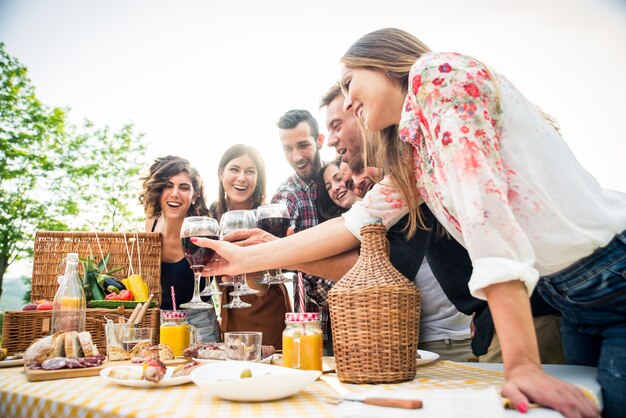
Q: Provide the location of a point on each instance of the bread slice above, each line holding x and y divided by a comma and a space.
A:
117, 354
139, 348
86, 344
165, 352
59, 345
72, 345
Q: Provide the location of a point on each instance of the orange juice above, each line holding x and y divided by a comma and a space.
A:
310, 351
176, 336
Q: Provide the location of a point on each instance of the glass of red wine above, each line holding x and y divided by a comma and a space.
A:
274, 219
231, 221
198, 257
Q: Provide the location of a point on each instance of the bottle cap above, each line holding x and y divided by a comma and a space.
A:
373, 221
72, 258
302, 317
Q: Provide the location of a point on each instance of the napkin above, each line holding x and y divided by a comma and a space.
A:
438, 403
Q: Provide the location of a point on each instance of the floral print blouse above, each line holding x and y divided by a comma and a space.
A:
496, 174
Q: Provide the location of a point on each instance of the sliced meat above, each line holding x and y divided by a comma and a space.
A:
54, 363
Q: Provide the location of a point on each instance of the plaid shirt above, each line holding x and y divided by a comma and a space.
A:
300, 197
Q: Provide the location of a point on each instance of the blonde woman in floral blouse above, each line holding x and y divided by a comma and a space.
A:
498, 176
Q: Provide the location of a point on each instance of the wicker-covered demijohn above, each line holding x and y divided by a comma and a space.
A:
374, 313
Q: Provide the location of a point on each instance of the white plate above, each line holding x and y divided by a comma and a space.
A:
426, 357
267, 383
168, 380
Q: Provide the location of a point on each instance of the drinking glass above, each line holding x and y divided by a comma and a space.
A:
274, 219
198, 257
243, 346
231, 221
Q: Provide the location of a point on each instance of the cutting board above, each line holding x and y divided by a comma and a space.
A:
40, 375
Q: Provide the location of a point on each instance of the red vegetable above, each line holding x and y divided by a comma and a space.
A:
45, 306
123, 295
30, 307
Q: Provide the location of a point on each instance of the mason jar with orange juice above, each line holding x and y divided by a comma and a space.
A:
176, 332
302, 341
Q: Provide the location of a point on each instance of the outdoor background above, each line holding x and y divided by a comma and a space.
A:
198, 76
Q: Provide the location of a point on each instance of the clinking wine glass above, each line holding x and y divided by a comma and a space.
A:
274, 219
198, 257
231, 221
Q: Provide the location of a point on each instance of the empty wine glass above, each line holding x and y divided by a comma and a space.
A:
198, 257
231, 221
274, 219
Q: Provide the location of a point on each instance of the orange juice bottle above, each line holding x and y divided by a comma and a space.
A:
69, 307
175, 331
302, 341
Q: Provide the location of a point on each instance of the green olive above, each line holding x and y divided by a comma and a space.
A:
245, 373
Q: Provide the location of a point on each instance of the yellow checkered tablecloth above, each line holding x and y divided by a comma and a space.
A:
95, 397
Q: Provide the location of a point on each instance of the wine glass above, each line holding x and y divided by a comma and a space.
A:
198, 257
274, 219
231, 221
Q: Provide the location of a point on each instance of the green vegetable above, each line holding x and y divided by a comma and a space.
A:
105, 281
90, 280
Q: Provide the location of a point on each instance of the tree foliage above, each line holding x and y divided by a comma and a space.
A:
55, 175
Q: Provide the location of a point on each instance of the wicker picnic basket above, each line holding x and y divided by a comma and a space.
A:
374, 314
21, 328
51, 247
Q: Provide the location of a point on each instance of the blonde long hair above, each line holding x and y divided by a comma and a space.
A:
393, 52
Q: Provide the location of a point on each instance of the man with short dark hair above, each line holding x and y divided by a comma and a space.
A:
301, 143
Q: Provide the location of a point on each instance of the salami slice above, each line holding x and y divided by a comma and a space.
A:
55, 363
73, 363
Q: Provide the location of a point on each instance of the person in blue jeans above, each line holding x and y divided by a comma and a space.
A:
494, 170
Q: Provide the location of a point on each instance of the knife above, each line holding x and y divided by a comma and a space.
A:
388, 402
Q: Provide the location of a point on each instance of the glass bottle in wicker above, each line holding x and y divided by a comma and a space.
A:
374, 314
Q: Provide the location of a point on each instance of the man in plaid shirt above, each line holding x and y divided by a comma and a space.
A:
301, 142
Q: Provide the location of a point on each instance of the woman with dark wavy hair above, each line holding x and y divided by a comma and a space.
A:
172, 191
333, 197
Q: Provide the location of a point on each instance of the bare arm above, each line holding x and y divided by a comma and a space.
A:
525, 379
322, 241
331, 268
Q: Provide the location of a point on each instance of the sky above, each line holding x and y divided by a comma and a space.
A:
198, 76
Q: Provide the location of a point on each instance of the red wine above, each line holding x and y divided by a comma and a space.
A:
197, 256
275, 226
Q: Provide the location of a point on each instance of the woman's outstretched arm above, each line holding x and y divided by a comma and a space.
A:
324, 240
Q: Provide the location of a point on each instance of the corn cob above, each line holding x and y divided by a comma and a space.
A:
138, 287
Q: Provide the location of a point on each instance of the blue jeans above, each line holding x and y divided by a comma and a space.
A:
591, 295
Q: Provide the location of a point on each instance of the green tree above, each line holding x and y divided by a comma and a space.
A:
55, 175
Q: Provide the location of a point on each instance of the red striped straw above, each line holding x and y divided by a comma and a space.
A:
301, 291
173, 298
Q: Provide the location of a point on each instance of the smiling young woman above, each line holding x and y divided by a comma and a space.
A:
241, 173
172, 191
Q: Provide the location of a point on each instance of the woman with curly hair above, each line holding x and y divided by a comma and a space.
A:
172, 191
